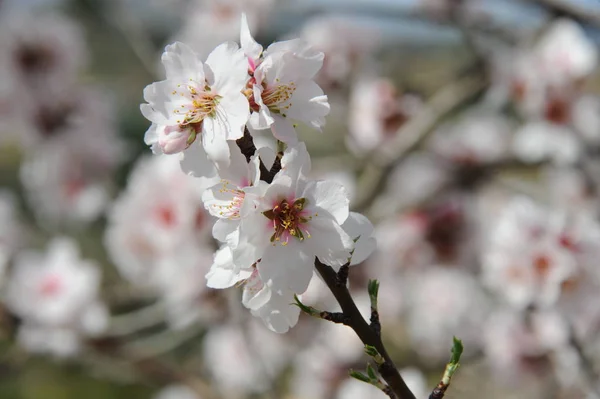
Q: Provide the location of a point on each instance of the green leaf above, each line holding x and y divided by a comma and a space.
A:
371, 373
457, 350
359, 376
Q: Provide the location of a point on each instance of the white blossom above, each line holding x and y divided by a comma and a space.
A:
282, 90
534, 254
198, 99
56, 296
159, 214
292, 221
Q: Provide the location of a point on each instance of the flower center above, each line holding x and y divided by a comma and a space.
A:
277, 98
288, 221
50, 286
202, 104
232, 209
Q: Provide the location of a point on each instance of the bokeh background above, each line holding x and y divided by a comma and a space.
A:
468, 131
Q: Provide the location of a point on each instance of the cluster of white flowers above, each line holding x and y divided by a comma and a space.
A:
158, 237
270, 232
66, 130
544, 82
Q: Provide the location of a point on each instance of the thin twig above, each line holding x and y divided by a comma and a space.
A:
367, 335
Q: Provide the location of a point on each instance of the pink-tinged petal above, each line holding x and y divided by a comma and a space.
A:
182, 63
251, 48
283, 130
262, 119
330, 196
287, 266
329, 242
174, 139
229, 69
214, 141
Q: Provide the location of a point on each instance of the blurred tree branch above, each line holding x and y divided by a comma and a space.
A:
570, 9
413, 133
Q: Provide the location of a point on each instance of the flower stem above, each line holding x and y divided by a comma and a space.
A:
367, 335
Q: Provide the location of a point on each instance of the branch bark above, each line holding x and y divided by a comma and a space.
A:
388, 370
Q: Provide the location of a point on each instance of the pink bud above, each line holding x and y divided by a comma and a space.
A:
174, 139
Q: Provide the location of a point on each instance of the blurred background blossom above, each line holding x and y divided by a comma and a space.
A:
468, 131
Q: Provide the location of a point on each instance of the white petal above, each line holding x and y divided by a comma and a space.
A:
233, 113
229, 69
195, 163
223, 228
287, 266
182, 63
214, 140
279, 314
309, 104
283, 130
296, 161
330, 196
329, 242
256, 294
251, 48
358, 226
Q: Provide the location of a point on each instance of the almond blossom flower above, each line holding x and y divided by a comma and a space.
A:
282, 90
68, 173
56, 296
535, 256
207, 23
444, 302
565, 53
197, 99
515, 346
292, 221
159, 214
479, 136
345, 44
43, 54
225, 199
276, 309
244, 361
377, 111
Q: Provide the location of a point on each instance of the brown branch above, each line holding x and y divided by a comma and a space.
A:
569, 9
246, 145
367, 335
